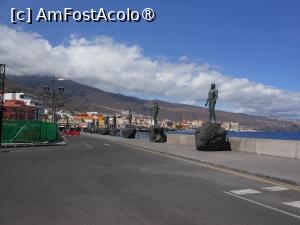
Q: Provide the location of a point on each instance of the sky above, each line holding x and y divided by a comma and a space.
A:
250, 49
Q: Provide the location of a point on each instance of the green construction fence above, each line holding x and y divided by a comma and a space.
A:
28, 131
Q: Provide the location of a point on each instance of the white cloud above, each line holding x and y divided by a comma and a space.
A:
104, 63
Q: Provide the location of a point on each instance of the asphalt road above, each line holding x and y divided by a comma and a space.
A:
94, 181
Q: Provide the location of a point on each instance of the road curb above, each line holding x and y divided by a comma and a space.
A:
264, 176
220, 166
16, 145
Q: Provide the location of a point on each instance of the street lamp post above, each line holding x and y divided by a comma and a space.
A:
53, 95
2, 85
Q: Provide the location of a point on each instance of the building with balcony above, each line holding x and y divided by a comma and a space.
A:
18, 110
31, 102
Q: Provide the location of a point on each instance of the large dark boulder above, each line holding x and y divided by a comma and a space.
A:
113, 132
211, 137
102, 131
157, 134
129, 133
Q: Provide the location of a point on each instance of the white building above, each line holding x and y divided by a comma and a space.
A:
92, 113
197, 123
231, 126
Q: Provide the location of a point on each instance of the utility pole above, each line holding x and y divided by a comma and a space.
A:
2, 85
52, 91
53, 102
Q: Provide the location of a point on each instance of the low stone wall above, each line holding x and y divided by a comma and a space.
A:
181, 139
282, 148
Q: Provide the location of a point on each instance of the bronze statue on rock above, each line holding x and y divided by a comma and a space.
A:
211, 102
156, 133
211, 136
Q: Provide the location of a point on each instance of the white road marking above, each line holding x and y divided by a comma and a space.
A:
200, 163
264, 205
294, 204
245, 192
106, 144
275, 188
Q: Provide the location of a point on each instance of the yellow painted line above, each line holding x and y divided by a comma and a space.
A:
203, 164
264, 180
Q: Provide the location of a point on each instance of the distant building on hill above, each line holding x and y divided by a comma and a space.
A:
97, 120
231, 126
197, 123
167, 123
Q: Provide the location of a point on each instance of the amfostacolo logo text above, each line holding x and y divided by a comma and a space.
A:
69, 14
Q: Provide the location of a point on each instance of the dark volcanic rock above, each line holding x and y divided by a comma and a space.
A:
102, 131
211, 137
157, 134
129, 133
113, 132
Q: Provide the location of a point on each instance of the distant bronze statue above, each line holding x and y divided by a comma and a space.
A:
114, 121
130, 118
156, 133
155, 110
211, 102
106, 122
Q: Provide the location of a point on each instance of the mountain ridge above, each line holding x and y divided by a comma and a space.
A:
82, 98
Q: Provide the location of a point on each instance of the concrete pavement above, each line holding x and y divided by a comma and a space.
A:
98, 181
275, 168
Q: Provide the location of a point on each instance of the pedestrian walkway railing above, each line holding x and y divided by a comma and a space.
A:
26, 131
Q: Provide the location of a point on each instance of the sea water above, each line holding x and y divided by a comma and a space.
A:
280, 135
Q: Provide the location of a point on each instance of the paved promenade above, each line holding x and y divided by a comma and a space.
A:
97, 180
281, 169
